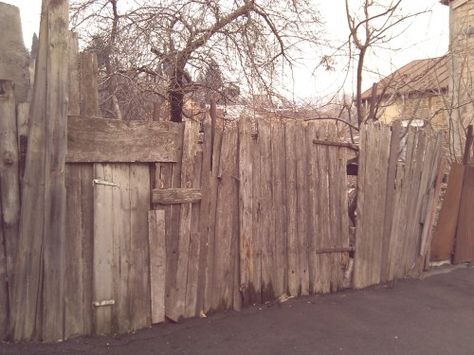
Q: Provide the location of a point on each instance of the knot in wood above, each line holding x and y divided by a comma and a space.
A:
8, 158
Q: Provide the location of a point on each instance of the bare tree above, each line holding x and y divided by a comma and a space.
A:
163, 45
374, 24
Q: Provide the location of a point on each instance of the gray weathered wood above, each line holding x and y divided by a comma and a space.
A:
225, 233
9, 178
293, 262
103, 269
88, 85
102, 140
157, 239
245, 207
139, 284
279, 207
174, 196
177, 310
39, 280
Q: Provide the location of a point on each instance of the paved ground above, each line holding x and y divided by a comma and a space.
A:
430, 316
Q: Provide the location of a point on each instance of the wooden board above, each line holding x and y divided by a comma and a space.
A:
375, 144
174, 196
210, 278
301, 159
4, 303
279, 207
267, 232
245, 208
442, 246
105, 140
191, 308
157, 239
9, 177
227, 202
176, 310
79, 229
294, 283
464, 248
103, 270
139, 285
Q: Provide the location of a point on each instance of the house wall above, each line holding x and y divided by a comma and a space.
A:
461, 69
430, 108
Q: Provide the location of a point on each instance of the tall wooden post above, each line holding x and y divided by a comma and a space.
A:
38, 290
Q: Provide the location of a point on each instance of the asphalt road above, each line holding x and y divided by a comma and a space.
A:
430, 316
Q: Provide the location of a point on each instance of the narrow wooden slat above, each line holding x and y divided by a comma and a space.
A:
139, 285
75, 313
464, 248
225, 220
103, 270
405, 171
157, 238
372, 185
4, 298
123, 258
210, 279
206, 176
74, 92
191, 309
302, 206
256, 245
102, 140
178, 293
88, 85
267, 233
442, 246
291, 183
313, 209
279, 207
245, 208
322, 280
390, 198
173, 196
9, 177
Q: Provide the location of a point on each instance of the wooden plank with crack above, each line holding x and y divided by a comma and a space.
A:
98, 140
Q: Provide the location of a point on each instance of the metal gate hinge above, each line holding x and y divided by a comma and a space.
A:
103, 303
103, 182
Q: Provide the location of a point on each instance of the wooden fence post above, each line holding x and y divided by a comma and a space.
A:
38, 288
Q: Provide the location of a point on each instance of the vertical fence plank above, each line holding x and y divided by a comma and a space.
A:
291, 181
464, 249
42, 225
245, 208
139, 285
103, 273
225, 221
442, 246
373, 180
194, 244
123, 258
157, 240
256, 246
302, 207
390, 199
178, 292
267, 233
279, 207
206, 176
9, 177
210, 278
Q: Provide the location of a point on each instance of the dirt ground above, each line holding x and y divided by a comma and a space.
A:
430, 316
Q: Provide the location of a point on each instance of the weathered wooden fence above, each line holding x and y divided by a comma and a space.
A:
400, 174
166, 220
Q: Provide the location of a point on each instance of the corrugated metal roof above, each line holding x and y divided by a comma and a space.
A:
422, 76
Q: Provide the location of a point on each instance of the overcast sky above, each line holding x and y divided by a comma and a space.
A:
427, 36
